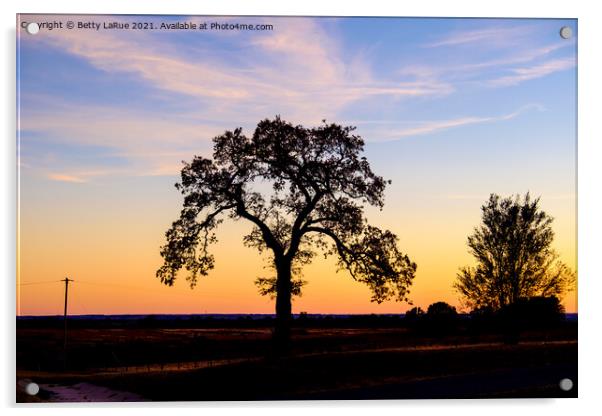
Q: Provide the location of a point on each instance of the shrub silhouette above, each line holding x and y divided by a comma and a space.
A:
414, 314
414, 317
441, 318
441, 310
536, 312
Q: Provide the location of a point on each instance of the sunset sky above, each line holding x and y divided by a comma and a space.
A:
451, 110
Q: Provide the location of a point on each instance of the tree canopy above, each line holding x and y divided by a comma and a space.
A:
441, 309
514, 255
302, 189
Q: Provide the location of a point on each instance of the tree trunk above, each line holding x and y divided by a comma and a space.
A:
282, 331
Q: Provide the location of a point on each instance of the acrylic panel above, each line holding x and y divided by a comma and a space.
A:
295, 208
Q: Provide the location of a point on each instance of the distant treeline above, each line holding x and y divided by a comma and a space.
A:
211, 321
439, 316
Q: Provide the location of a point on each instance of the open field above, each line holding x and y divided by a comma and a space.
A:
106, 364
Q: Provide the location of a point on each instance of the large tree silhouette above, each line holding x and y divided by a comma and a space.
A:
515, 259
302, 189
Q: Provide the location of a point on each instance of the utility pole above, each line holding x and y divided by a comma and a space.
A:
66, 280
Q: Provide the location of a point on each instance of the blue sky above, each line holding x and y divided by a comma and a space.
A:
396, 79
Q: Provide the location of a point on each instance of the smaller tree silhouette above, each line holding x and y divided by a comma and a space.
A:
515, 259
414, 313
535, 312
414, 316
441, 310
441, 318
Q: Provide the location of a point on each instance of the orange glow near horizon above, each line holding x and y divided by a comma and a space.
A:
113, 256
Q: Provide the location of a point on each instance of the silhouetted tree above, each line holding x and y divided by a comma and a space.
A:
538, 311
440, 318
414, 317
414, 313
302, 189
514, 256
483, 319
441, 310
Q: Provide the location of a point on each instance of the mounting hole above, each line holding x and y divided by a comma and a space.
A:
566, 32
32, 28
566, 384
32, 389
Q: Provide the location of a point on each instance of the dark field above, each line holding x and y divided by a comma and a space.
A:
229, 363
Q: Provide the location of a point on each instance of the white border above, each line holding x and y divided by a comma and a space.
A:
589, 190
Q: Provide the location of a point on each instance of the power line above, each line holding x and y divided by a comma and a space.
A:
127, 287
39, 283
137, 288
113, 285
85, 282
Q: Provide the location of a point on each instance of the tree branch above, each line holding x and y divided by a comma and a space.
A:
270, 240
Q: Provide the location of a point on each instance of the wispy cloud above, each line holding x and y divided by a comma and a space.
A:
298, 69
430, 127
303, 70
476, 70
520, 57
492, 36
539, 70
522, 53
149, 145
62, 177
